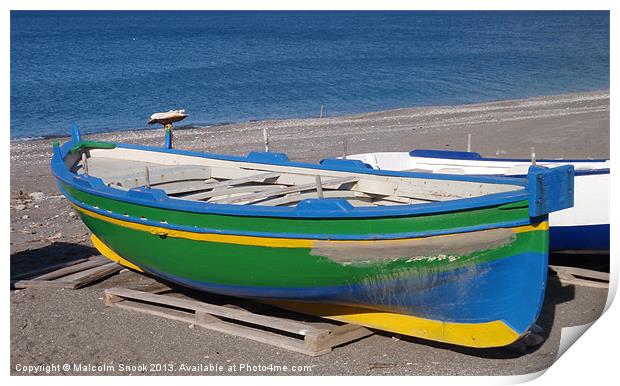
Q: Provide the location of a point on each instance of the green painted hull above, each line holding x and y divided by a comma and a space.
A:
247, 265
304, 271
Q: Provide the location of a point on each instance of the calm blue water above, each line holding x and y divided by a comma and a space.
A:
111, 70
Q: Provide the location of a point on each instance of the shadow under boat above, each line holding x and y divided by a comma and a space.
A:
48, 258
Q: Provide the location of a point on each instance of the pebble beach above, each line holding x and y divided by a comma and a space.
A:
60, 326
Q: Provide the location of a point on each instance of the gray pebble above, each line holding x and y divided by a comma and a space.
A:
37, 196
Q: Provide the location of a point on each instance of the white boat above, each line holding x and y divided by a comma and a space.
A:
584, 227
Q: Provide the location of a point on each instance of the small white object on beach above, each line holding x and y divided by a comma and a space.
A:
55, 236
37, 196
167, 117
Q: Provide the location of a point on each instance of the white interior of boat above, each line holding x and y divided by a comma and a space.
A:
403, 161
194, 178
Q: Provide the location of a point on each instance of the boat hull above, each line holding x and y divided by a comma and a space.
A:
483, 289
469, 270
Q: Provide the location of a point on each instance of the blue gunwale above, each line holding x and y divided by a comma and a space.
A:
157, 197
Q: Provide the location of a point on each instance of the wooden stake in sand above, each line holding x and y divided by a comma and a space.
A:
344, 148
319, 186
533, 153
147, 178
266, 140
469, 143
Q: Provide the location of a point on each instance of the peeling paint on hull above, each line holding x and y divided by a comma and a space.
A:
427, 248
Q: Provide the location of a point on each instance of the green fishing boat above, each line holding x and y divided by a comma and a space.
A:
457, 259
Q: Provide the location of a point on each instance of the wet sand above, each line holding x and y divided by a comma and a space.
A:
55, 326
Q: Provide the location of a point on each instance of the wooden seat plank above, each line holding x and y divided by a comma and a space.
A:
216, 187
254, 197
162, 175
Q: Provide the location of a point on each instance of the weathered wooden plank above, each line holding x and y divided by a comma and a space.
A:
41, 271
89, 272
94, 274
581, 277
262, 177
588, 273
263, 336
449, 189
243, 180
316, 341
228, 191
337, 336
254, 197
42, 284
226, 312
153, 309
153, 287
162, 175
73, 268
405, 192
209, 322
382, 188
232, 171
179, 187
291, 179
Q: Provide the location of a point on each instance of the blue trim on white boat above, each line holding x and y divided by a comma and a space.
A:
465, 155
445, 154
352, 163
578, 173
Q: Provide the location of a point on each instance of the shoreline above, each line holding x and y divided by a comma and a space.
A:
197, 126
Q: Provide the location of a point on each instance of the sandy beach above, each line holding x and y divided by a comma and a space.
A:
56, 326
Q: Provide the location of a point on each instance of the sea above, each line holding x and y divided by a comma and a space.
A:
110, 71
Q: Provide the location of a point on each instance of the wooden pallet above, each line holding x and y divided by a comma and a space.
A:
307, 338
71, 275
580, 276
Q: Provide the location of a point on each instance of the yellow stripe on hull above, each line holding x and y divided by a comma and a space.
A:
110, 254
272, 242
478, 335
